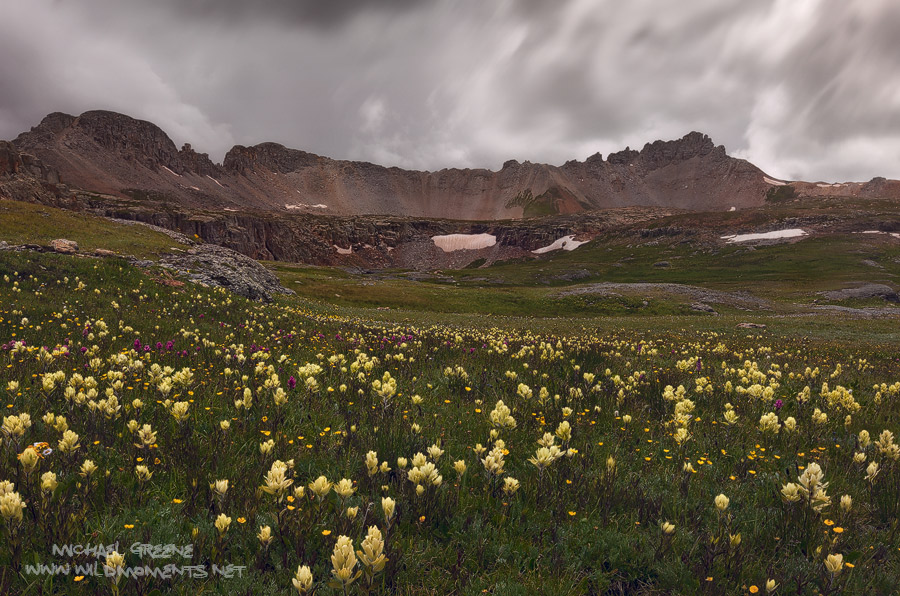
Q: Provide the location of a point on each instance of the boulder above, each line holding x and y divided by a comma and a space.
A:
222, 267
66, 247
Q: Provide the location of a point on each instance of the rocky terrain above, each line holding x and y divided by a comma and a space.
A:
114, 154
269, 202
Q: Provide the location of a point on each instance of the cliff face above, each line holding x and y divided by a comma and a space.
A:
115, 154
23, 177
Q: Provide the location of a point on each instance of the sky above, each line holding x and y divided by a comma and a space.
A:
804, 89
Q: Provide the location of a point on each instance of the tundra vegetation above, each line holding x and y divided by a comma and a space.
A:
337, 448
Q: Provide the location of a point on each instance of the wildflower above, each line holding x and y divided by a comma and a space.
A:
721, 502
500, 416
266, 447
460, 467
303, 579
846, 503
768, 423
222, 523
11, 506
29, 459
321, 487
610, 465
790, 492
510, 486
352, 512
48, 482
771, 586
886, 445
372, 553
372, 463
734, 540
493, 462
812, 487
88, 467
388, 507
146, 437
343, 561
143, 473
344, 488
220, 487
834, 564
276, 481
872, 471
667, 528
265, 536
435, 452
114, 562
179, 411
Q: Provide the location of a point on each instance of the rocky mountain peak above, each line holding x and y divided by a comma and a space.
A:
272, 156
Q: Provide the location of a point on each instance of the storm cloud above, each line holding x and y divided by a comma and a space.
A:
805, 89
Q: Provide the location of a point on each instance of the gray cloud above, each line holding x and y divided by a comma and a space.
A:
803, 88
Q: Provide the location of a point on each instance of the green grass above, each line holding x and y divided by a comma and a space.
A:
573, 530
27, 223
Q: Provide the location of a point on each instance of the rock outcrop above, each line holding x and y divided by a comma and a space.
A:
865, 291
222, 267
24, 177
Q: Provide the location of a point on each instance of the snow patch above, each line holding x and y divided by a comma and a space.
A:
214, 180
193, 188
565, 243
835, 185
733, 209
893, 234
304, 205
343, 251
774, 182
171, 172
791, 233
230, 209
452, 242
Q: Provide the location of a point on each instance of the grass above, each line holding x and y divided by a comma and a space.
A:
575, 528
28, 223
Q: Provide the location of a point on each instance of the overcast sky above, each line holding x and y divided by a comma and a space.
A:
805, 89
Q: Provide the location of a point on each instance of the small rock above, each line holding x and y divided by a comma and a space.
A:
661, 264
102, 252
61, 245
751, 326
699, 306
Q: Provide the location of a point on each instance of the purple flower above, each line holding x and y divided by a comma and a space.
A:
778, 404
292, 382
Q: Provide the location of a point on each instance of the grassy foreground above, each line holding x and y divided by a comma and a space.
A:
315, 449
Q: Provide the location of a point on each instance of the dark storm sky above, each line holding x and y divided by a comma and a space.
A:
805, 89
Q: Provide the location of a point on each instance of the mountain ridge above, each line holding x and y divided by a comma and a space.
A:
113, 153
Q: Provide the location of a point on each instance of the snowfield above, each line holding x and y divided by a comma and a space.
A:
452, 242
564, 243
302, 205
776, 235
